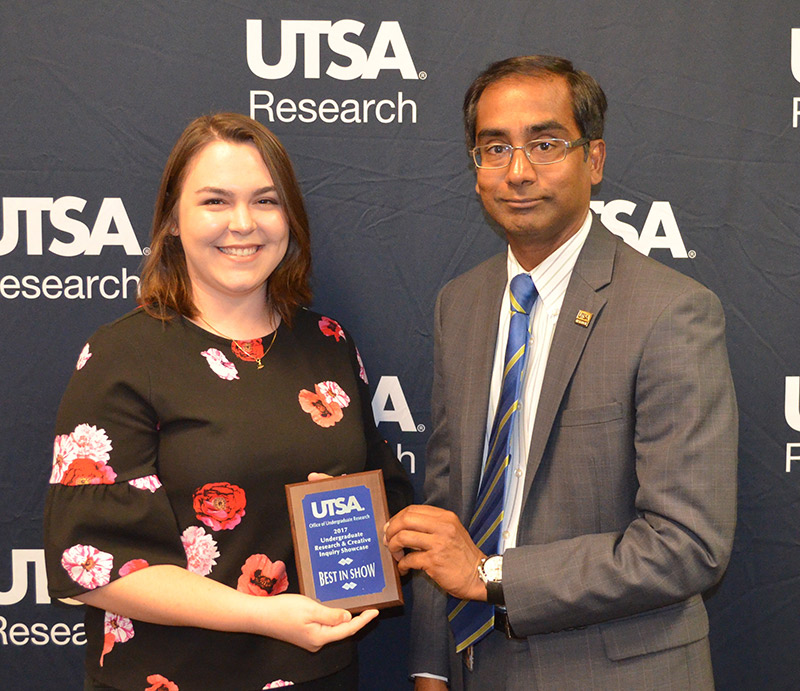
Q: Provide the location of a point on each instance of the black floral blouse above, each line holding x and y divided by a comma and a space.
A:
173, 446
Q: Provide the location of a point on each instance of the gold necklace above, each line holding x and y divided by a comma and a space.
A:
241, 351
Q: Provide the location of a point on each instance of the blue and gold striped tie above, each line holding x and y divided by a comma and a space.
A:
472, 620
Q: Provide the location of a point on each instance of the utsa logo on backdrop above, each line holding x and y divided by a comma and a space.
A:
795, 62
659, 230
352, 56
60, 226
17, 633
389, 404
791, 411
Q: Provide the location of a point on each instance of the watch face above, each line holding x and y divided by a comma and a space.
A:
493, 568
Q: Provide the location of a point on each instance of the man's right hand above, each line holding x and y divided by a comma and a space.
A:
428, 684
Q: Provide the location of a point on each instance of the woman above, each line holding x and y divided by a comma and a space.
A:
183, 422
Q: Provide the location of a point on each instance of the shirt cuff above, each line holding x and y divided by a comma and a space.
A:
427, 675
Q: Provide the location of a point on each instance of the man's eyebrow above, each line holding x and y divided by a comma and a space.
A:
491, 132
530, 130
549, 125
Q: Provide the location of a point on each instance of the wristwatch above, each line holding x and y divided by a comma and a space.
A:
490, 571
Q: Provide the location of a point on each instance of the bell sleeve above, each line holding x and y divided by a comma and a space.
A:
107, 513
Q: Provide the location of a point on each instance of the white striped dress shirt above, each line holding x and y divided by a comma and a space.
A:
551, 278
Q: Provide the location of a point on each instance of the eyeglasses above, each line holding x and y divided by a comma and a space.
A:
540, 152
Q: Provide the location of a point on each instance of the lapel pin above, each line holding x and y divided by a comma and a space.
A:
583, 318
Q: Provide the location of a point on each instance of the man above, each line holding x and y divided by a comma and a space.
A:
580, 486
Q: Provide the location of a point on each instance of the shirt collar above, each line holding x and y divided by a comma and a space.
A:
562, 261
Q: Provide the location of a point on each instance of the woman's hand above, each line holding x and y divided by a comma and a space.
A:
306, 623
315, 477
172, 596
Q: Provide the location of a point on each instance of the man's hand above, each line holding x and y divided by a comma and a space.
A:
441, 547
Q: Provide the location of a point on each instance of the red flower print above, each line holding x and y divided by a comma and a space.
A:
85, 471
324, 413
133, 565
330, 327
262, 576
249, 351
219, 505
159, 683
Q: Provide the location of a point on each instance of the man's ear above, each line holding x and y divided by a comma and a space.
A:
597, 160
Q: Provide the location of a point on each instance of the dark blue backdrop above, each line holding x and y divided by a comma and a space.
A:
702, 174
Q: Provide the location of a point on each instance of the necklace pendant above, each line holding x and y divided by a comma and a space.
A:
260, 366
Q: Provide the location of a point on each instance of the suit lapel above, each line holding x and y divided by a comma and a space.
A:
480, 340
592, 271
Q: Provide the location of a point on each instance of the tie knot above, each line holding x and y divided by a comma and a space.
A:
523, 293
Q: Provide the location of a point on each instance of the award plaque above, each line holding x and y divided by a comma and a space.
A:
337, 528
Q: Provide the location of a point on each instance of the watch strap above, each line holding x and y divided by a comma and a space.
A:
494, 593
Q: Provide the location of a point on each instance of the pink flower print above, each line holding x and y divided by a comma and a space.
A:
361, 371
220, 365
79, 458
278, 684
133, 565
121, 627
201, 550
87, 566
333, 393
91, 442
83, 358
65, 450
330, 327
149, 482
117, 629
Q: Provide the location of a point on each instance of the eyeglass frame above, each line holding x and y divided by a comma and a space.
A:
574, 144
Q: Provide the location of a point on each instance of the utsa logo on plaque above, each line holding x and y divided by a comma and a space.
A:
791, 411
795, 61
389, 50
338, 506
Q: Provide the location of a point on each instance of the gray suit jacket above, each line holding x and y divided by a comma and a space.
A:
630, 494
